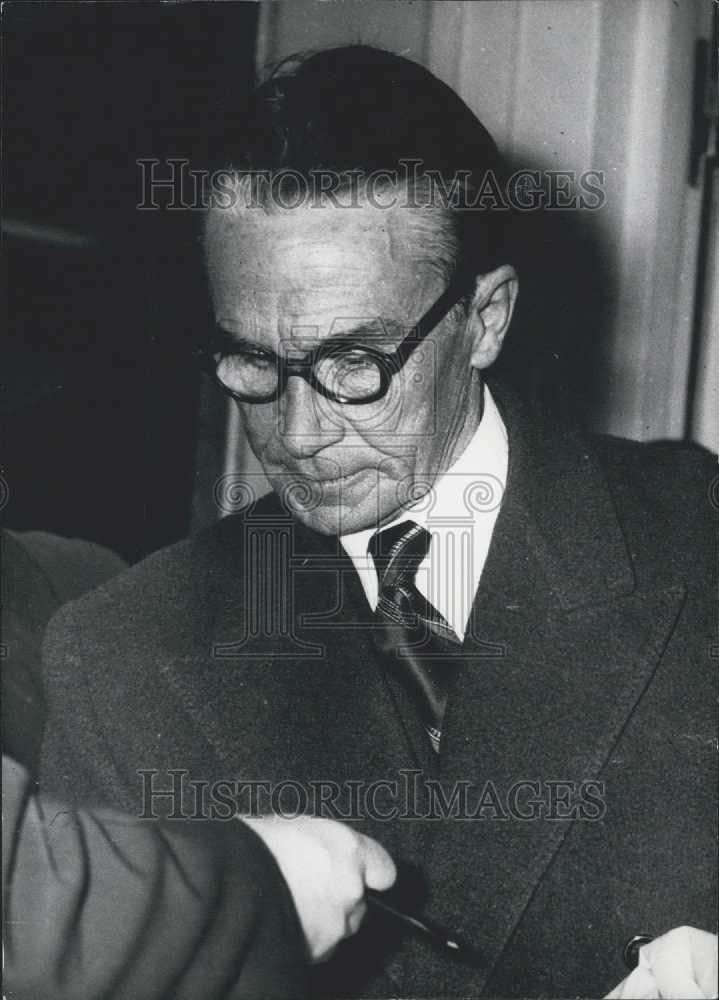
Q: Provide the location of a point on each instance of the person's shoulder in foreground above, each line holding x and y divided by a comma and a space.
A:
39, 572
101, 905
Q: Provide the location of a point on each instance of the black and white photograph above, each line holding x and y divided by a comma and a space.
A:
360, 493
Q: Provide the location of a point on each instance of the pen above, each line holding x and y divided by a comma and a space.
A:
435, 933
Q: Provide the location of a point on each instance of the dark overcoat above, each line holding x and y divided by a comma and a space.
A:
580, 726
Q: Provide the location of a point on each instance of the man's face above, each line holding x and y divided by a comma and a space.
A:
287, 282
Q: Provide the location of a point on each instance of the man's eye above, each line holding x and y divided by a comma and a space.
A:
354, 362
244, 359
260, 361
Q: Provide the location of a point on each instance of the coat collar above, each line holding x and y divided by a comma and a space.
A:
557, 542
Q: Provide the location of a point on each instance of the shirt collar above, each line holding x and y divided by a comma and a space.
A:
465, 501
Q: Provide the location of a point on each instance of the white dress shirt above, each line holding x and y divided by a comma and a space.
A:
460, 512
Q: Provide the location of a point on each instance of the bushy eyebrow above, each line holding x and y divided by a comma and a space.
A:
234, 341
380, 330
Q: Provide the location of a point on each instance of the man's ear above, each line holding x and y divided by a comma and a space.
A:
490, 313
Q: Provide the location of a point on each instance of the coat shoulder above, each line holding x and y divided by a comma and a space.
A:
666, 498
664, 475
171, 593
683, 461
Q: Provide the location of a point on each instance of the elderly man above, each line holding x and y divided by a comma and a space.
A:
469, 632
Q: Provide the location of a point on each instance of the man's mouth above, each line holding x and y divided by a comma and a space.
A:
345, 479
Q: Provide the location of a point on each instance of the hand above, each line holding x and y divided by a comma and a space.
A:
679, 965
327, 866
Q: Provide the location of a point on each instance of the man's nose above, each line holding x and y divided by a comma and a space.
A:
307, 421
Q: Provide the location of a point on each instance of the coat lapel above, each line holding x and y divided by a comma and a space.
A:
560, 648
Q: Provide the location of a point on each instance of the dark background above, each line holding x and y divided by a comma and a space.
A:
103, 301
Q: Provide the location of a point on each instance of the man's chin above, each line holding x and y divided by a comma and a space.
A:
339, 506
336, 520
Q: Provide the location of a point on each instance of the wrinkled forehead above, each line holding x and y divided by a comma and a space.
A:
319, 262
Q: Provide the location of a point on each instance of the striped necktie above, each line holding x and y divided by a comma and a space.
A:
410, 633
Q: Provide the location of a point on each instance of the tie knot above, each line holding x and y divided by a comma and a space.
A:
398, 551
